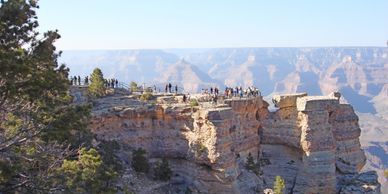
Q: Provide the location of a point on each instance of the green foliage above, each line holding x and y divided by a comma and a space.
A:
87, 174
148, 90
193, 102
146, 96
250, 163
41, 131
97, 85
70, 125
11, 125
279, 185
252, 166
139, 161
133, 86
162, 170
6, 172
108, 151
386, 173
201, 148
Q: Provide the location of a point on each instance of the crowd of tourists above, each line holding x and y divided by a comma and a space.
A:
77, 80
250, 91
230, 92
170, 89
111, 83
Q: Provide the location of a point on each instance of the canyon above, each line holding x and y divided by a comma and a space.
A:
359, 73
310, 141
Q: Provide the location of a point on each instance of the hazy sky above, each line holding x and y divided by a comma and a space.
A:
120, 24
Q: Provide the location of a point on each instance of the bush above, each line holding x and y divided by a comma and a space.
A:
250, 163
278, 185
149, 90
193, 102
252, 166
201, 148
146, 96
139, 161
162, 170
133, 86
108, 151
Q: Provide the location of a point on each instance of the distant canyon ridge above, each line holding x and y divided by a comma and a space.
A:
360, 74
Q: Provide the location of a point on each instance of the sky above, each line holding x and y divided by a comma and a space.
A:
152, 24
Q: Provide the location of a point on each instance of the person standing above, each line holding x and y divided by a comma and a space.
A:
117, 83
79, 80
165, 90
75, 80
169, 87
86, 80
176, 89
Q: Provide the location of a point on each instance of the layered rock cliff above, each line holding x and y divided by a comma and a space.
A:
312, 142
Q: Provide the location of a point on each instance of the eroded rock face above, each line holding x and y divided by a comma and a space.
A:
215, 140
312, 142
326, 135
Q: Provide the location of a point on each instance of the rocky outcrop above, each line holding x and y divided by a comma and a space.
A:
215, 140
324, 135
311, 141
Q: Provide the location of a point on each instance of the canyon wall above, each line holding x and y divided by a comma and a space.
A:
311, 141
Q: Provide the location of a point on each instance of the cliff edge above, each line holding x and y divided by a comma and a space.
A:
311, 141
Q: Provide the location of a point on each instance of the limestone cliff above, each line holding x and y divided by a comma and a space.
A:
312, 142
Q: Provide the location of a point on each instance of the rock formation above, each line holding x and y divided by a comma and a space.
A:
311, 141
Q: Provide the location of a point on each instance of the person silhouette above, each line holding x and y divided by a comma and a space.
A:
75, 80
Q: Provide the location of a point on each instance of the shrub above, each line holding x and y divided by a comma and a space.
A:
252, 166
278, 185
193, 102
108, 151
139, 161
162, 170
250, 163
148, 89
146, 96
201, 148
133, 86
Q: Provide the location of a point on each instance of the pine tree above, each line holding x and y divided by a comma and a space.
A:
250, 163
86, 174
278, 185
139, 161
162, 170
40, 129
97, 86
